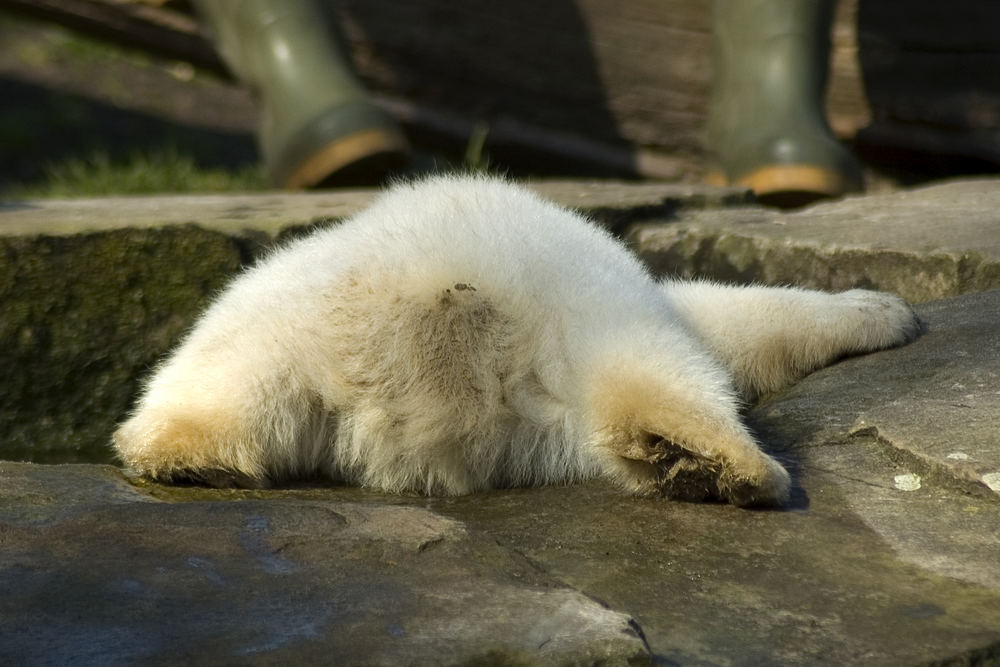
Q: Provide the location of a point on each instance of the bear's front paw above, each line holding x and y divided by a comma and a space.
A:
890, 319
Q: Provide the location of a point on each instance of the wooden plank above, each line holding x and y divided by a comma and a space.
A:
143, 25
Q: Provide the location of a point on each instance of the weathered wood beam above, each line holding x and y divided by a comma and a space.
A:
143, 25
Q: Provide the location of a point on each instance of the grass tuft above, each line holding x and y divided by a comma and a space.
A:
159, 171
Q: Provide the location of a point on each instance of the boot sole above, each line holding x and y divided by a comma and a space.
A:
789, 184
374, 152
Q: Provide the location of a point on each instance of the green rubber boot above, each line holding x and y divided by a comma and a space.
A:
318, 126
766, 129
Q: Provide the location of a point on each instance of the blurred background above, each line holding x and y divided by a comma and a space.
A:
117, 96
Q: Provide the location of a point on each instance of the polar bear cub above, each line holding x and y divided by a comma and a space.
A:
463, 334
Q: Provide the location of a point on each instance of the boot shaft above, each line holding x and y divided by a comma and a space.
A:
317, 121
767, 128
287, 52
771, 57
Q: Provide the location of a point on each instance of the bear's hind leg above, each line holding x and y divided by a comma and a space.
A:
196, 446
681, 442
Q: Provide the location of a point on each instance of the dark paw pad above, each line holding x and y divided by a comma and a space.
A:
216, 478
684, 475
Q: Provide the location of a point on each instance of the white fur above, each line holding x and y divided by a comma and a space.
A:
463, 334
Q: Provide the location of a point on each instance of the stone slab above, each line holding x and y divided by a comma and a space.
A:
949, 414
902, 430
923, 244
95, 572
272, 213
887, 555
934, 404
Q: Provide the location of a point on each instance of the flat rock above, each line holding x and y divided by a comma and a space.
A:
948, 418
923, 244
96, 572
887, 555
274, 212
936, 406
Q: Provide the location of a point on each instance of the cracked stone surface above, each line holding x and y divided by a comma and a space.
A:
889, 553
949, 416
936, 408
861, 568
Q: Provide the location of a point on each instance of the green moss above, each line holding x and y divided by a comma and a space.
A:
84, 318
